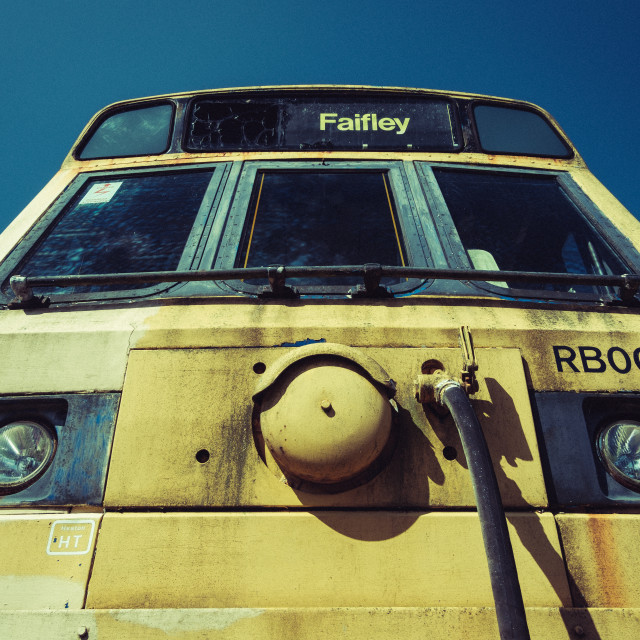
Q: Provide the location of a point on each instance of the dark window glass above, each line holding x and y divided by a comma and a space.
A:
321, 218
517, 222
131, 224
507, 130
137, 132
322, 122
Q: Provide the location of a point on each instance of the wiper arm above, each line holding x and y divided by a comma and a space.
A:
23, 286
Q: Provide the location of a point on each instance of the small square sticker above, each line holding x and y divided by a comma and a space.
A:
71, 537
100, 192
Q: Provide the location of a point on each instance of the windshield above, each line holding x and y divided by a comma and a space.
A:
307, 218
126, 225
522, 222
300, 214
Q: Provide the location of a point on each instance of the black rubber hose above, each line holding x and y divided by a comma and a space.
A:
512, 621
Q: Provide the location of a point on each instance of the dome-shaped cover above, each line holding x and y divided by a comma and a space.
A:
324, 419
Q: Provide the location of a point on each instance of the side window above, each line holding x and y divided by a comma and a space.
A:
517, 131
127, 223
522, 222
134, 132
321, 217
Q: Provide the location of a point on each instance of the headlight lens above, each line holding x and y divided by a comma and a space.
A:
619, 449
26, 449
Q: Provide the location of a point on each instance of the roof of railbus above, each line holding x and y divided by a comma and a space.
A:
70, 160
324, 87
575, 161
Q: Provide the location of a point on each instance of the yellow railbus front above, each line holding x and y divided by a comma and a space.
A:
255, 341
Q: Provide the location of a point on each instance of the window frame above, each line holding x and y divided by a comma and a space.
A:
192, 253
591, 214
419, 237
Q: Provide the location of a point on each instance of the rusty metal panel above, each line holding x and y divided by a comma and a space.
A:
323, 558
177, 403
603, 558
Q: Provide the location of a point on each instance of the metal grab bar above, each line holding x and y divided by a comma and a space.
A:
22, 286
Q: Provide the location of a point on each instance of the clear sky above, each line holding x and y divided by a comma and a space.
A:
64, 60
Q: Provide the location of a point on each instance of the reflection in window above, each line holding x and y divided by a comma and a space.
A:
523, 222
128, 225
137, 132
321, 218
509, 130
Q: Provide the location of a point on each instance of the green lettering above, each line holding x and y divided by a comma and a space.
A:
402, 126
345, 124
327, 118
386, 124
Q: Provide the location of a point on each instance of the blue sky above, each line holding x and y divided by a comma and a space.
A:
63, 61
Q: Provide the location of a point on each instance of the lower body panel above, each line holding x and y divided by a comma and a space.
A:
316, 559
408, 623
320, 574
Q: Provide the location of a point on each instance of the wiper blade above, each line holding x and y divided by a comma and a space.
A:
23, 286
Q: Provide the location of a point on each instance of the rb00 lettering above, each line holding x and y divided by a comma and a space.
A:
594, 360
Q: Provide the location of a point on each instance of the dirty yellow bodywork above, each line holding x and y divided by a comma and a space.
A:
45, 559
161, 382
187, 386
306, 559
602, 557
201, 535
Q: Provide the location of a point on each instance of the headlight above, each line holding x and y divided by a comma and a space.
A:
619, 450
26, 449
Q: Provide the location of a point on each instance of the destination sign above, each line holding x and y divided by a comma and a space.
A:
310, 122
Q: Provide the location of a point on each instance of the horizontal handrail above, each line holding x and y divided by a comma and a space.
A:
23, 286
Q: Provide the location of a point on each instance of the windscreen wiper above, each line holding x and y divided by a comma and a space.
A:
22, 286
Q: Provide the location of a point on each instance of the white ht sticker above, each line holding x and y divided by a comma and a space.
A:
71, 537
100, 192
